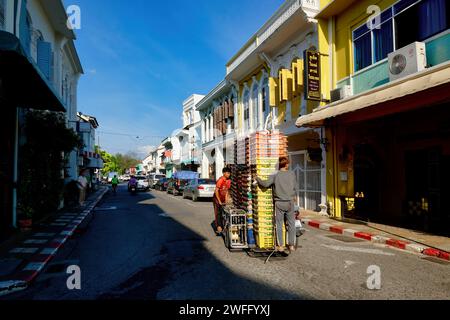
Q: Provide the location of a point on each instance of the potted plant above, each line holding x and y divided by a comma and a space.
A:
25, 218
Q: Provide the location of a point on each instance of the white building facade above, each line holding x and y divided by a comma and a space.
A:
218, 111
41, 27
191, 140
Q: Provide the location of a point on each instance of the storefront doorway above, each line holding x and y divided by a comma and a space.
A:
308, 173
6, 169
367, 196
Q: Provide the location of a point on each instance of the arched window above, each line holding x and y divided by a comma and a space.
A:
265, 99
36, 37
246, 102
255, 107
2, 14
26, 27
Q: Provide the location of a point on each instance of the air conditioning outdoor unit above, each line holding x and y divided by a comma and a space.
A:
408, 60
341, 93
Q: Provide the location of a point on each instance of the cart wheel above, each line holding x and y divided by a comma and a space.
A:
227, 238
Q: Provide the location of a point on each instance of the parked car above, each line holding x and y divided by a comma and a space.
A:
199, 188
153, 178
142, 183
176, 186
161, 185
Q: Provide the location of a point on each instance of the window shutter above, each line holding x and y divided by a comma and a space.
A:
285, 89
297, 76
2, 14
44, 57
273, 86
24, 28
230, 109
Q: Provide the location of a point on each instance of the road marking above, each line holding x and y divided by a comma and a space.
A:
349, 263
24, 250
359, 250
49, 251
38, 266
106, 209
45, 235
35, 241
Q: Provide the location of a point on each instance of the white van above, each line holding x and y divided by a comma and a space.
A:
153, 178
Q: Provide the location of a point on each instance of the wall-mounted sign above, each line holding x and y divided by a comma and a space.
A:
312, 75
84, 127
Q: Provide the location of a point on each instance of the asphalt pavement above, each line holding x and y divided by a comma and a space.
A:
156, 246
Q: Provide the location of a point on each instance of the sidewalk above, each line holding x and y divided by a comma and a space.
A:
400, 238
21, 261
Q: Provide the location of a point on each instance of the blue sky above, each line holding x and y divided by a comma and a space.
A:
143, 58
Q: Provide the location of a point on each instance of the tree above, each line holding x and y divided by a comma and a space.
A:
110, 163
41, 180
118, 162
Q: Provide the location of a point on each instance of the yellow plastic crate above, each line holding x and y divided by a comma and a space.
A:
264, 241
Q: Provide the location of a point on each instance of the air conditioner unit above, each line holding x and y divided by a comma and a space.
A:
341, 93
408, 60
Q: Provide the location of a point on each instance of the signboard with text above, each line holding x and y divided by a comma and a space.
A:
312, 75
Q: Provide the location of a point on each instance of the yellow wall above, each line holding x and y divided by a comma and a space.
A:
339, 43
346, 22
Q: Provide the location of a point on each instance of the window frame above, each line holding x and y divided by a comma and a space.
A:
391, 19
370, 31
3, 5
246, 109
254, 123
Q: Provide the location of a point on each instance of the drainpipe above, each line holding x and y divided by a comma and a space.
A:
15, 172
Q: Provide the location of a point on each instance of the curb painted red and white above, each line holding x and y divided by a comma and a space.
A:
40, 261
399, 244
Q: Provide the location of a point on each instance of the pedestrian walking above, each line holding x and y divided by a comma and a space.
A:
82, 186
285, 191
221, 198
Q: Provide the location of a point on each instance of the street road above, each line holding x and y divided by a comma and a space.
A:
157, 246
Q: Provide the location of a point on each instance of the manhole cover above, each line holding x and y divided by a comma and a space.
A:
436, 260
344, 238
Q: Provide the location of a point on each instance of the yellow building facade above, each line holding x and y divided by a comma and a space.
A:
269, 72
386, 94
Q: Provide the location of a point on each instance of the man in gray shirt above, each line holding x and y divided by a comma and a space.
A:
285, 196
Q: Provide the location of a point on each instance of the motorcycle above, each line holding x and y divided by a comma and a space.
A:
132, 188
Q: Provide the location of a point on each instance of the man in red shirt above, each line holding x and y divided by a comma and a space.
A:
221, 197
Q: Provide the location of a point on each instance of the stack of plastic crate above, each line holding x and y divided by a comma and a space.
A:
265, 150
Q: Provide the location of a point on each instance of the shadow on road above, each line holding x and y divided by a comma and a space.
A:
138, 252
188, 270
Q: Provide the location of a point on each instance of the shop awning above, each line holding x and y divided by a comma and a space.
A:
425, 80
23, 84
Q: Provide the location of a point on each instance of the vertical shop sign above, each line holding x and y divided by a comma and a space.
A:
312, 75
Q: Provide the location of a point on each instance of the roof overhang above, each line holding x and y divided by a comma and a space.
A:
58, 17
381, 98
334, 8
22, 81
221, 89
275, 34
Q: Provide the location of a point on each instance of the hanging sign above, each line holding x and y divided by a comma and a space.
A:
312, 75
